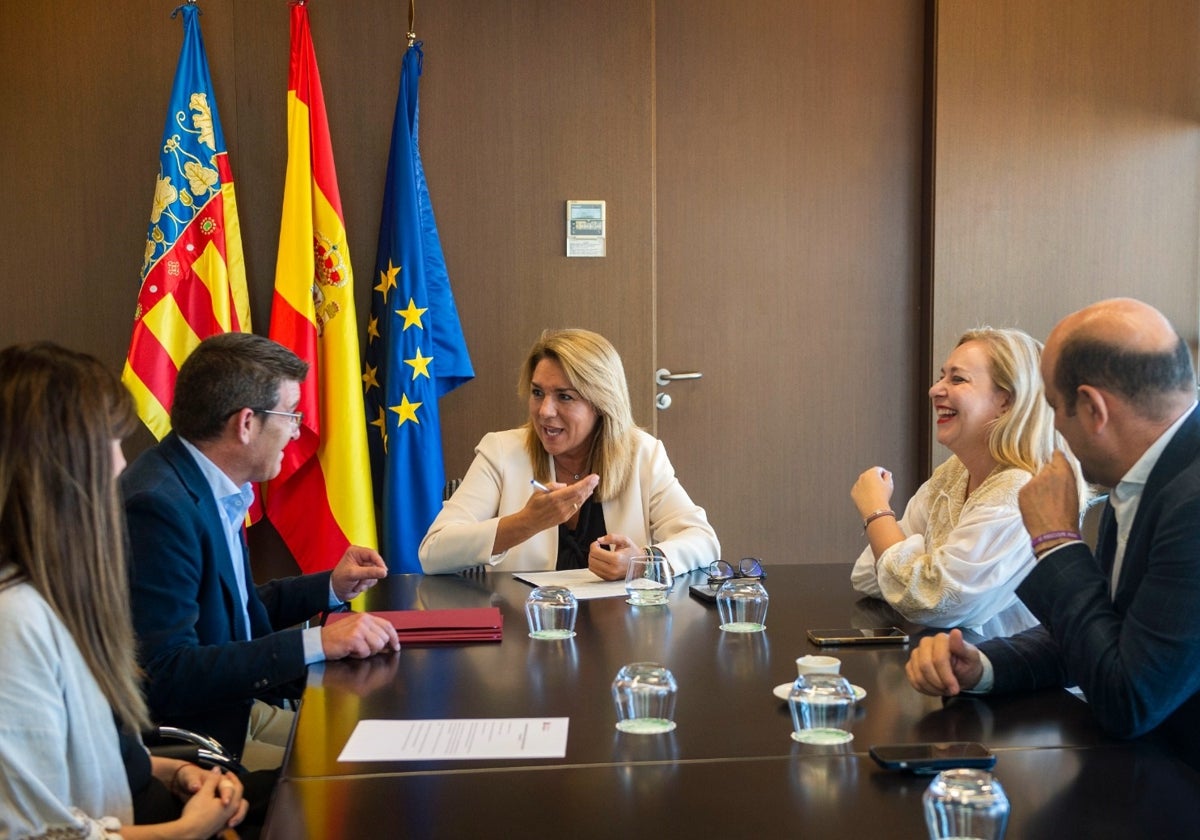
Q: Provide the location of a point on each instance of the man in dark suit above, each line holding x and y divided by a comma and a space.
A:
1123, 625
216, 648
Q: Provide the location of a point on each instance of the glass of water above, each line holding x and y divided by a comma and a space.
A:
822, 708
644, 694
648, 580
965, 803
742, 605
550, 612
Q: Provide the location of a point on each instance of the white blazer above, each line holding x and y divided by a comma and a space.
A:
654, 509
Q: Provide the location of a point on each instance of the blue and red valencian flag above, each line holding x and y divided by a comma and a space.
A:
193, 274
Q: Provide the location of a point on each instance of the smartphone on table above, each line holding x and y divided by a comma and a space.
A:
703, 591
933, 757
859, 636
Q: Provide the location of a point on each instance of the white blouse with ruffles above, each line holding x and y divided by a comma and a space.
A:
962, 557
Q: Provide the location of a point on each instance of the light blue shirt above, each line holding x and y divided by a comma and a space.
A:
234, 503
1126, 497
58, 745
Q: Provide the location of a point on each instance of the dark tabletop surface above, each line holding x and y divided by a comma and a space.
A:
731, 754
725, 706
1112, 791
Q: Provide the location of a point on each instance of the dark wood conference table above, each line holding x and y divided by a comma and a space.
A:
730, 766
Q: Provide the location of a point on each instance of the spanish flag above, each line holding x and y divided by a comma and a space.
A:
321, 502
193, 275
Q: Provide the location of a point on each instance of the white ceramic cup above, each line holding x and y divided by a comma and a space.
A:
818, 665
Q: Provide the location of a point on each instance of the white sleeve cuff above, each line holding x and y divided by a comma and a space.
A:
987, 680
314, 651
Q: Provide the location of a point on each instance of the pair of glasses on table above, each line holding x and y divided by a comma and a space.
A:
720, 571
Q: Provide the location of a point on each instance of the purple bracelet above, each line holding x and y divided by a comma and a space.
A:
1054, 535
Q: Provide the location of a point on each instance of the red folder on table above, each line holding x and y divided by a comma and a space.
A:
480, 624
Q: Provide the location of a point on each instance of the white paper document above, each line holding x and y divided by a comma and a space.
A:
432, 740
583, 583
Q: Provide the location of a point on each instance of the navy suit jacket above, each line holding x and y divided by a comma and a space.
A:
203, 670
1136, 656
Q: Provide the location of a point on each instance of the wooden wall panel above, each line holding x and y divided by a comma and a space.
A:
84, 104
526, 105
522, 108
1066, 155
1067, 161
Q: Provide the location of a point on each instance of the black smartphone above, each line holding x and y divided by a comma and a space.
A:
933, 757
704, 592
859, 636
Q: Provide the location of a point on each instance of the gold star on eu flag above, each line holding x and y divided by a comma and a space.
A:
381, 422
406, 411
420, 364
369, 378
412, 315
387, 279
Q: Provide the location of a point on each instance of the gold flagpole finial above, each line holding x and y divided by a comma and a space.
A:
412, 17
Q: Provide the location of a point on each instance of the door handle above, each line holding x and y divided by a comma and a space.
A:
662, 376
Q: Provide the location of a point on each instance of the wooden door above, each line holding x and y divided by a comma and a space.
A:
788, 179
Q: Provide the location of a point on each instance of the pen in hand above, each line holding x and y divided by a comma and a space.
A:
539, 485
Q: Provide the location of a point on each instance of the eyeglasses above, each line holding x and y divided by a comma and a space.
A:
748, 567
297, 417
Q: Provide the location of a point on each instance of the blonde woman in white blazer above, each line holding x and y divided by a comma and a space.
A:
578, 486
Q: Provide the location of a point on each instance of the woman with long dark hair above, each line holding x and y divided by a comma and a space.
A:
70, 674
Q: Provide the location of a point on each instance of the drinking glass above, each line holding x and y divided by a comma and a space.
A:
648, 580
742, 605
965, 803
822, 708
550, 612
644, 694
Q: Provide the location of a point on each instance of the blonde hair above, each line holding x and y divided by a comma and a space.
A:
1024, 436
595, 370
61, 523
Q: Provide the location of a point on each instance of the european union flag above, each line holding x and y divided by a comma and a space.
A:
415, 347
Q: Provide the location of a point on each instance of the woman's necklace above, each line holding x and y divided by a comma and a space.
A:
559, 467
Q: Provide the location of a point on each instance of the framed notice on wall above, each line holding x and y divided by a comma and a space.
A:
585, 228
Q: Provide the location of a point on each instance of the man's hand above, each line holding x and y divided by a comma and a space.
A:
358, 637
1049, 502
943, 665
357, 572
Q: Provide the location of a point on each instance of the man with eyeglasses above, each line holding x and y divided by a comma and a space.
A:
220, 653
